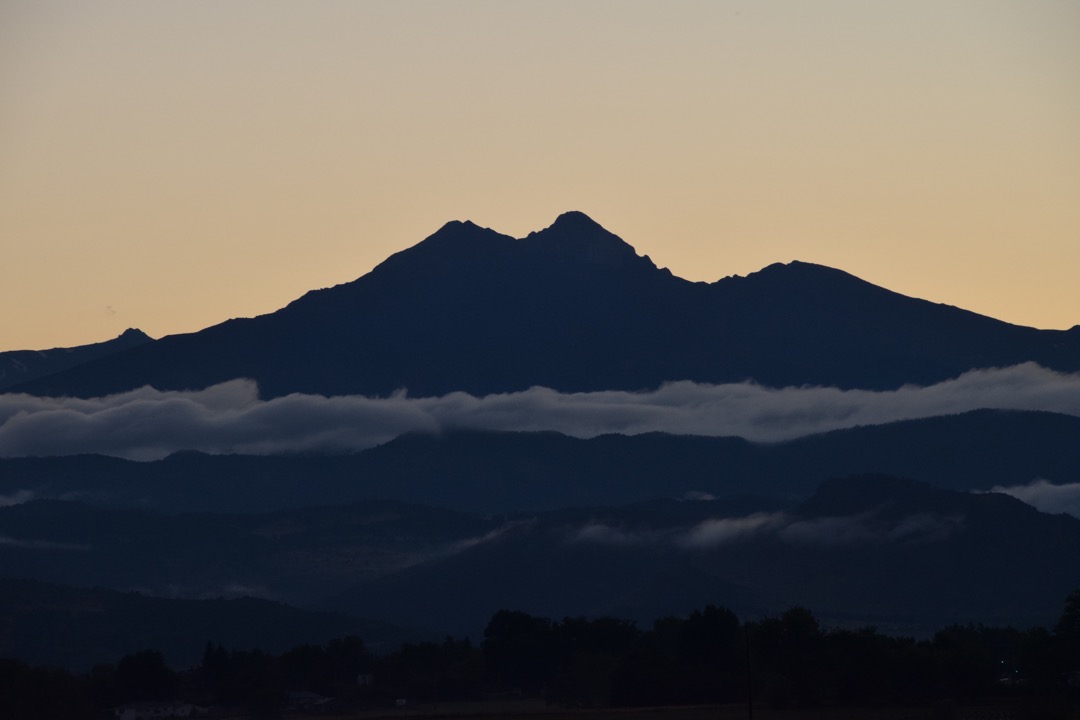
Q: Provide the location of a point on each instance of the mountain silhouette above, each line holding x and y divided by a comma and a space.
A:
866, 549
573, 307
20, 366
500, 472
295, 555
869, 548
78, 628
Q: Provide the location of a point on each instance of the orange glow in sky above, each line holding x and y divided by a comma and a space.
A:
168, 165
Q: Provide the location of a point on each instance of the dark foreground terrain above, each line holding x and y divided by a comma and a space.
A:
705, 664
1005, 710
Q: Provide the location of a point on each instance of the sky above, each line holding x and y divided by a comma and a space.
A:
169, 165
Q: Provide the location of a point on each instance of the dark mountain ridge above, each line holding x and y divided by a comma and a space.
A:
77, 628
574, 308
493, 472
862, 550
20, 366
294, 556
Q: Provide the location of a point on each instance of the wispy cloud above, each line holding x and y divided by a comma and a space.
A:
720, 531
6, 541
866, 527
599, 533
1046, 496
461, 546
147, 424
16, 498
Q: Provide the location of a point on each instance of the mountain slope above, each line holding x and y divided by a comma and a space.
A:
504, 472
294, 556
77, 628
574, 308
863, 550
21, 366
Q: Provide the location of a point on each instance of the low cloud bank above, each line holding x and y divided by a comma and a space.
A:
16, 498
148, 424
828, 531
856, 529
720, 531
1046, 496
6, 541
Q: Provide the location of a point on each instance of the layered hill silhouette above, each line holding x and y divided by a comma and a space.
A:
501, 472
78, 628
864, 549
574, 308
297, 555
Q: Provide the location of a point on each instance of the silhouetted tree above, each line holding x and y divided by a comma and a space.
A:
695, 659
521, 651
965, 662
452, 670
589, 653
233, 678
1067, 631
36, 693
145, 676
788, 655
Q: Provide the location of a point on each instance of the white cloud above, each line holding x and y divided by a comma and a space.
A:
719, 531
147, 424
1046, 496
461, 546
16, 498
860, 528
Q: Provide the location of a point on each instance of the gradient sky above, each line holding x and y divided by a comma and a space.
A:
169, 165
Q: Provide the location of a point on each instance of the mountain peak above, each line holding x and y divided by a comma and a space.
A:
457, 228
452, 238
19, 366
134, 334
798, 273
572, 308
576, 221
576, 236
800, 267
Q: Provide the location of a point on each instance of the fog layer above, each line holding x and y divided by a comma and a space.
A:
148, 424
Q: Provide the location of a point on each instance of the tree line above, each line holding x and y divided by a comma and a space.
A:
708, 656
